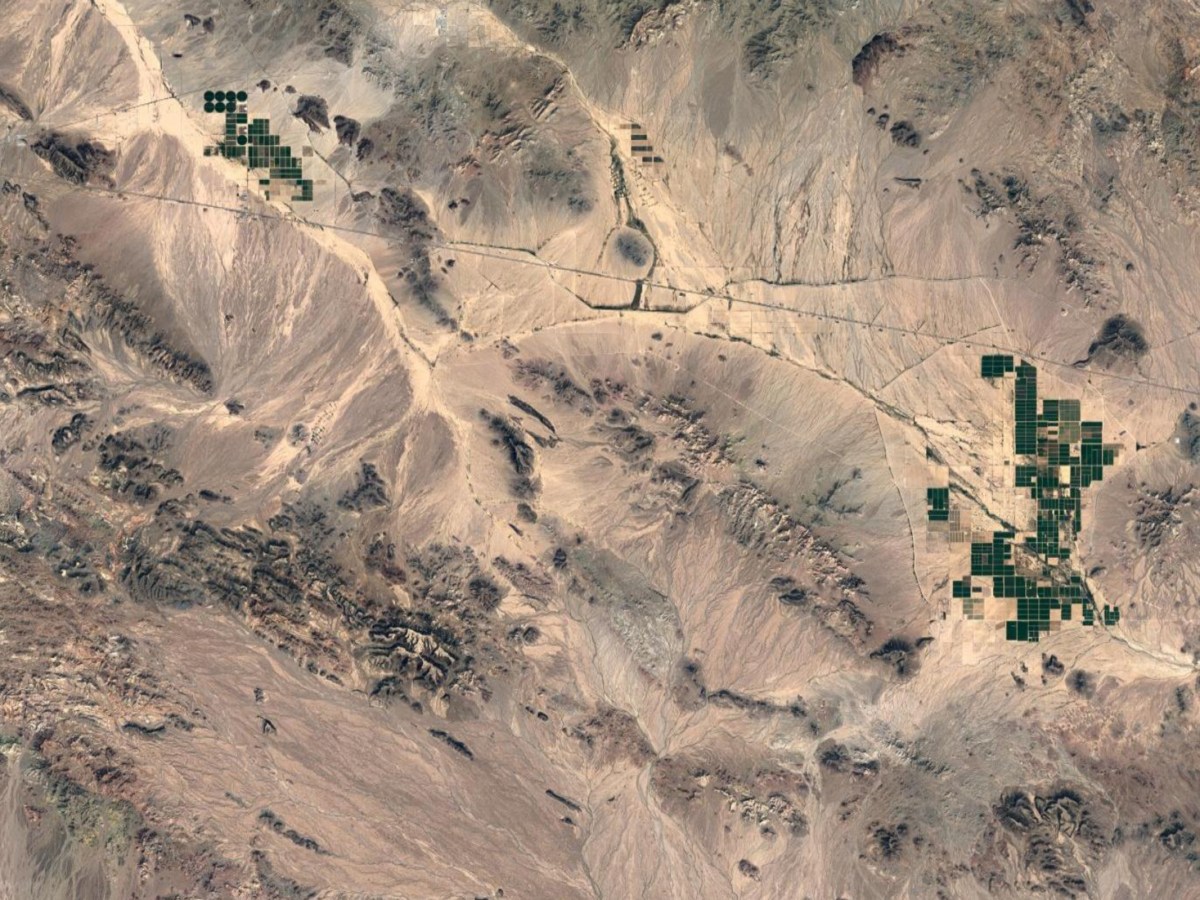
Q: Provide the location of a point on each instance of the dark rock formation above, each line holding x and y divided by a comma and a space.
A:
130, 466
1060, 832
276, 824
867, 61
511, 437
1120, 339
900, 654
1082, 683
634, 248
369, 493
453, 743
69, 435
1187, 433
765, 798
402, 213
312, 111
10, 99
904, 134
347, 130
76, 159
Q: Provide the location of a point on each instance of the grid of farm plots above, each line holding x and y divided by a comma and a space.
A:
1058, 456
251, 142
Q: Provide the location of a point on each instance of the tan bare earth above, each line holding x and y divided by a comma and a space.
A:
541, 510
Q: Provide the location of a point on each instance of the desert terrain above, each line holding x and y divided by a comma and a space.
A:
612, 481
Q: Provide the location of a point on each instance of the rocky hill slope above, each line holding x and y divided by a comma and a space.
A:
542, 510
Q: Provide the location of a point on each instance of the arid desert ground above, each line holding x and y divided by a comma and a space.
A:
599, 448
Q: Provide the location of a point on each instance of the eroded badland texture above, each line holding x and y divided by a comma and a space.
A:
542, 510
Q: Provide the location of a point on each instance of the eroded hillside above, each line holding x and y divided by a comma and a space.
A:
544, 508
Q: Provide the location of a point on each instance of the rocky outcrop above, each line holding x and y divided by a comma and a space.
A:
76, 159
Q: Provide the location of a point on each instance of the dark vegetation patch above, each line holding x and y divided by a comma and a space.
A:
1051, 666
78, 160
